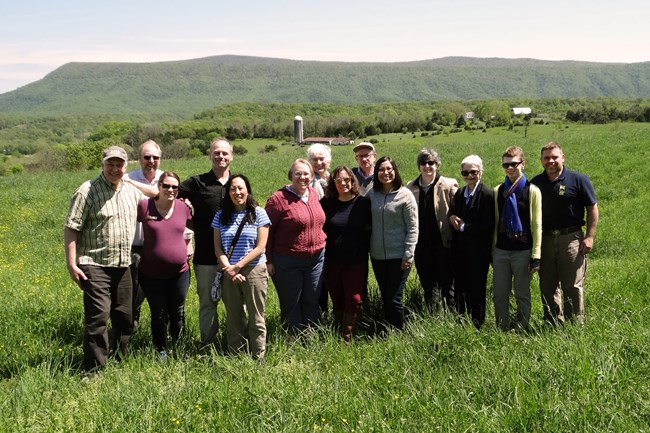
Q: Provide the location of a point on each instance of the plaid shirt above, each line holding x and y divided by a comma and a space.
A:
105, 219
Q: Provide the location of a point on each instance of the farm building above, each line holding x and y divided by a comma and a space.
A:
521, 110
330, 141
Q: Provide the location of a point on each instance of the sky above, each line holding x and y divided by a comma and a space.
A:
38, 36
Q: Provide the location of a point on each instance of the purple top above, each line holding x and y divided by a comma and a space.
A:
164, 253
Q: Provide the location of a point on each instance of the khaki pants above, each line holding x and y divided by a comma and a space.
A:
561, 277
208, 315
240, 299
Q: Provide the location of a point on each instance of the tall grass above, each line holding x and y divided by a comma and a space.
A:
438, 375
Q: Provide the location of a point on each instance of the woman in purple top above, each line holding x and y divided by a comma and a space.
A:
164, 269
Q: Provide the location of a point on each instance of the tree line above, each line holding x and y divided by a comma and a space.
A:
72, 143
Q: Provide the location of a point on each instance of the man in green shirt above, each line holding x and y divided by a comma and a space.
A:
98, 234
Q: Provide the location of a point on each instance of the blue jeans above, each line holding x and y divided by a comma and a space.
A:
298, 281
166, 297
391, 279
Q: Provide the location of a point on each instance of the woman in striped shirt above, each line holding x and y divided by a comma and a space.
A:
244, 284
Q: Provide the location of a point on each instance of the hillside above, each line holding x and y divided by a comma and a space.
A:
186, 87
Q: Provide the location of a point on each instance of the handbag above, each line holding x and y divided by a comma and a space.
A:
216, 284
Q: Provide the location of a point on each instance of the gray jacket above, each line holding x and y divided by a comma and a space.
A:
394, 224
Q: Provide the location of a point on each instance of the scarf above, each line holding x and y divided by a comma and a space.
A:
511, 221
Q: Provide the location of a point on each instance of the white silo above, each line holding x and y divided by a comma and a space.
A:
297, 130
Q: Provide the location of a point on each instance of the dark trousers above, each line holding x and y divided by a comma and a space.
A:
347, 285
166, 298
470, 284
107, 294
435, 270
391, 279
138, 293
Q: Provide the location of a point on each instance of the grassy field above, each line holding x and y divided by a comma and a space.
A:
438, 375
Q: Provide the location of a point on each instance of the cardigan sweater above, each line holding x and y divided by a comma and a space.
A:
394, 224
296, 227
531, 219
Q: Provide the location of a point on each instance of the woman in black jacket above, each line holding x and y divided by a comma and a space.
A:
347, 225
471, 214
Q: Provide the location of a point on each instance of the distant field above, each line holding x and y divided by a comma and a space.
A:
436, 376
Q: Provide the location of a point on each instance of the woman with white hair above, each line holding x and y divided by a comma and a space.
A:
320, 158
472, 217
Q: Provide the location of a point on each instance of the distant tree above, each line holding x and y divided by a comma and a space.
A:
179, 149
112, 129
238, 149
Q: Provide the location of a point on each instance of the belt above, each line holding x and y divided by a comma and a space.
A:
561, 232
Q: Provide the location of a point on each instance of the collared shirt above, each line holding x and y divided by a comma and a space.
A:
468, 196
138, 176
564, 199
206, 193
365, 182
105, 219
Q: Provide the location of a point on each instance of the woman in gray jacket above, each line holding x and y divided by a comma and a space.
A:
394, 236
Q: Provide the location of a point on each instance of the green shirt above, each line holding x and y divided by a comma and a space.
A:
105, 219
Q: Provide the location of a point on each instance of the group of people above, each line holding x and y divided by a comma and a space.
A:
129, 237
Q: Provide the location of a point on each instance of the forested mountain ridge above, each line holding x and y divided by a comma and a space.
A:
182, 88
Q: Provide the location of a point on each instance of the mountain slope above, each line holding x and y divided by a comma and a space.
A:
186, 87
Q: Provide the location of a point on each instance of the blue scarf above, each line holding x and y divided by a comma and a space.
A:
511, 221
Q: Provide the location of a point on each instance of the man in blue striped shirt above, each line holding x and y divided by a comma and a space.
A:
98, 234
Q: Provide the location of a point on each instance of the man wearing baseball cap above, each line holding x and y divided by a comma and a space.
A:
364, 153
98, 233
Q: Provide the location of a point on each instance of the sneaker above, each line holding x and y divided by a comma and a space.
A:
162, 356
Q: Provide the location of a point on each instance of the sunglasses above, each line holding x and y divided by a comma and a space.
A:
168, 186
150, 157
429, 163
466, 173
513, 164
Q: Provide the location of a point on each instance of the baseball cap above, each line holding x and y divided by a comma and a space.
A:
363, 145
115, 152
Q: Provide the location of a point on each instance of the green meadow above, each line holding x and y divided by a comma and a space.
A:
438, 375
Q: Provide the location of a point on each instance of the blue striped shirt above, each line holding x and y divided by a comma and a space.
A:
248, 238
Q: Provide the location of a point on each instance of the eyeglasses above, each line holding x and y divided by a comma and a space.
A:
150, 157
429, 163
364, 156
168, 186
513, 164
466, 173
340, 180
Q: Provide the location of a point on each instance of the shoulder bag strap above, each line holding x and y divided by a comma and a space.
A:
236, 238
